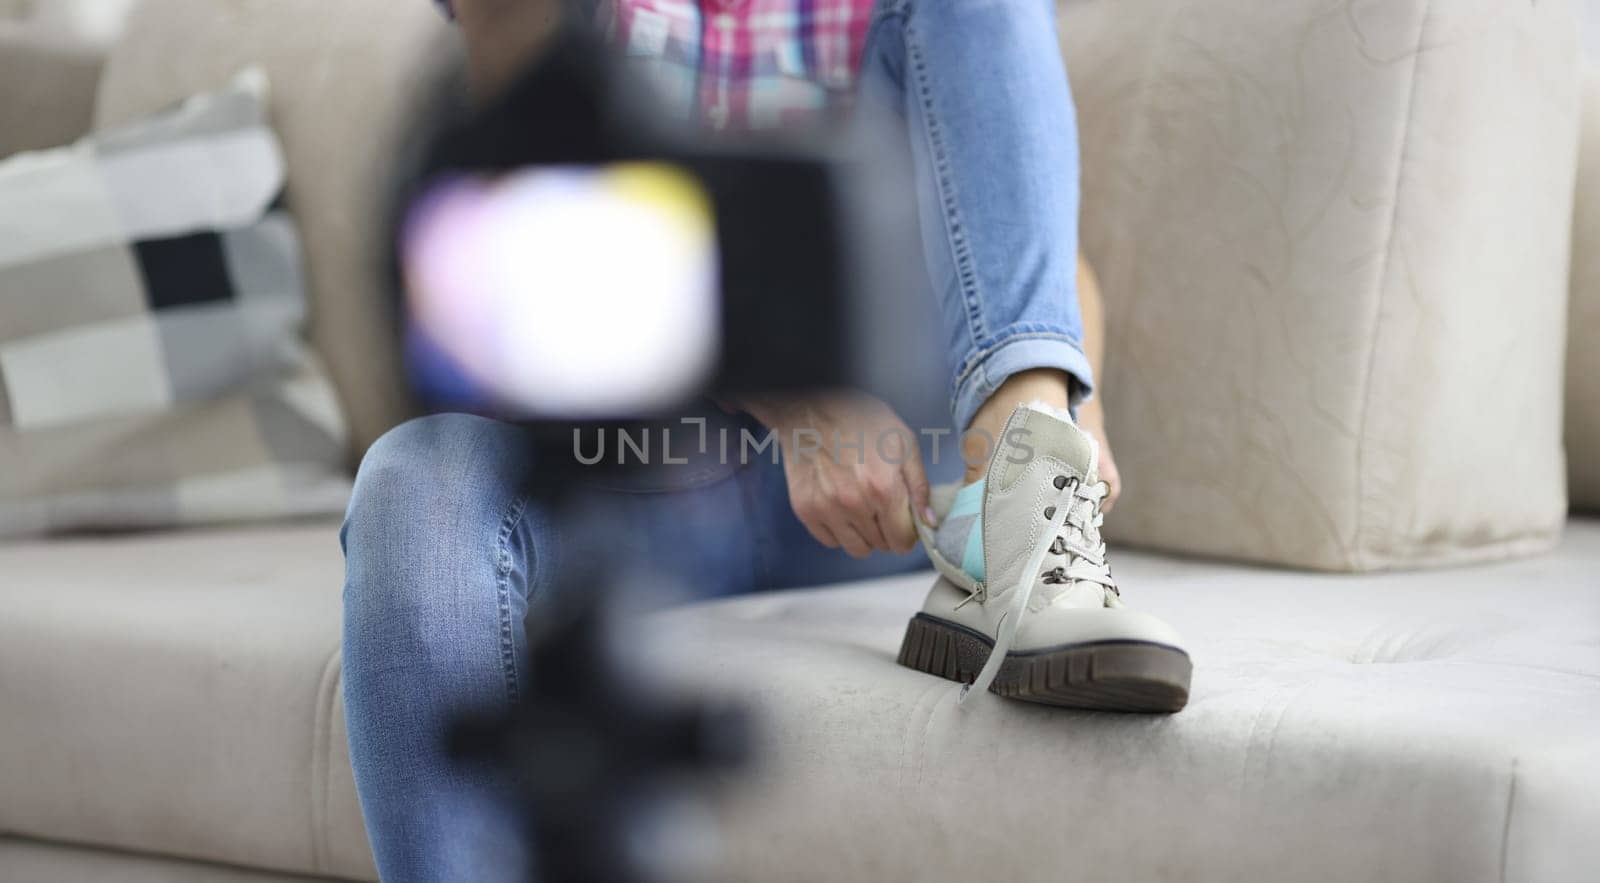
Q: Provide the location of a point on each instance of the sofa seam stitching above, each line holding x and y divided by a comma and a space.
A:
1357, 556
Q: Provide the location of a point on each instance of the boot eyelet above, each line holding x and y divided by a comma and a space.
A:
1061, 482
1049, 512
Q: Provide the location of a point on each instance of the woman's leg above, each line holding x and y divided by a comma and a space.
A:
445, 557
984, 95
440, 550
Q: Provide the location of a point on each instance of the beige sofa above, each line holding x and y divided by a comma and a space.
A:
1335, 241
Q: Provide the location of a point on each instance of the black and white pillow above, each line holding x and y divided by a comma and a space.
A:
152, 368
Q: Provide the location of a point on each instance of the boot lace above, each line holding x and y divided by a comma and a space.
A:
1073, 538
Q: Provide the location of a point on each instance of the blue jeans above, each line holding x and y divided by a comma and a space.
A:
446, 557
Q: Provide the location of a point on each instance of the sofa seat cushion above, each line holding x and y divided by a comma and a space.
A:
1404, 727
179, 694
32, 860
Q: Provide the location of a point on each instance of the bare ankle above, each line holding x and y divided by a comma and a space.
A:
1046, 385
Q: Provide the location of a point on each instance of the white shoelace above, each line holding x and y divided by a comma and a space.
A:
1078, 508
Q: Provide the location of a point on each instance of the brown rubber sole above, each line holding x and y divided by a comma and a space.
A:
1135, 676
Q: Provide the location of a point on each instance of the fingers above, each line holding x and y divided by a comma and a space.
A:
820, 531
853, 543
894, 498
898, 529
860, 517
1092, 421
836, 532
916, 479
1112, 478
857, 512
837, 527
814, 516
1113, 482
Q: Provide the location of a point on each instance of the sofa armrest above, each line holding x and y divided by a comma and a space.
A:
1333, 240
50, 82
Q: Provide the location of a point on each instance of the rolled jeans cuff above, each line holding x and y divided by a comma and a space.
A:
1021, 351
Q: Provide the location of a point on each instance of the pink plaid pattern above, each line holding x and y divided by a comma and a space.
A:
744, 64
747, 64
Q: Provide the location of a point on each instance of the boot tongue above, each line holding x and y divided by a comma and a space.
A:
1039, 430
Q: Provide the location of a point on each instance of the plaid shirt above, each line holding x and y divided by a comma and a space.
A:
744, 64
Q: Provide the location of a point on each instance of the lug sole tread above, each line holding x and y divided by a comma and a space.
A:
1127, 676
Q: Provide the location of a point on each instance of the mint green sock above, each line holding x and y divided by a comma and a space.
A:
959, 537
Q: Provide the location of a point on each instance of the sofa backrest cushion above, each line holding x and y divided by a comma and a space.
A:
50, 81
344, 80
1334, 247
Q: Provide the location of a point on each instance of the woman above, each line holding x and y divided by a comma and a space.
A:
445, 557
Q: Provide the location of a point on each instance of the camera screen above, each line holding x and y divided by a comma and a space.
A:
572, 291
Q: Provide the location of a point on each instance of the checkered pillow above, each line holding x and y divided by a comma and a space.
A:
152, 371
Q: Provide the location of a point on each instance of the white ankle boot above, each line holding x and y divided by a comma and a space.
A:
1047, 624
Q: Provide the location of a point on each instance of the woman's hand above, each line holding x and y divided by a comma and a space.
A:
854, 469
1093, 421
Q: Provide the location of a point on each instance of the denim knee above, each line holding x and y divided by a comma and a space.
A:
412, 470
433, 511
